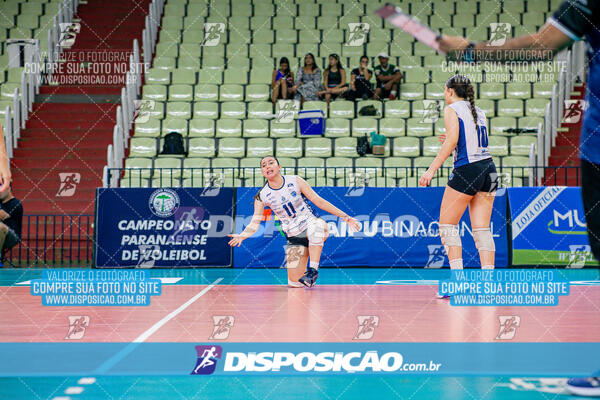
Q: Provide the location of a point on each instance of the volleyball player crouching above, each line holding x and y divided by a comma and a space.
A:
286, 196
474, 179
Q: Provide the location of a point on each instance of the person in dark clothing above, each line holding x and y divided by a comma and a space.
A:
334, 79
11, 217
360, 85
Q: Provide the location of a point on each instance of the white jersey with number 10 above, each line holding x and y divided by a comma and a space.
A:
289, 205
472, 143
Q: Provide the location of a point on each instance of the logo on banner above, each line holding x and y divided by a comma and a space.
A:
77, 326
207, 359
567, 223
499, 32
580, 254
357, 33
212, 33
573, 111
366, 327
223, 325
68, 183
437, 255
68, 33
357, 181
508, 326
164, 202
146, 251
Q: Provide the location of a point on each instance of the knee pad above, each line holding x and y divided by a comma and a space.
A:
484, 239
316, 232
450, 236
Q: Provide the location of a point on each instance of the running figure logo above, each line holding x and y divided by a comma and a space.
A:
431, 111
499, 32
437, 256
77, 326
573, 111
286, 110
207, 359
508, 326
68, 183
223, 325
68, 33
357, 33
366, 327
212, 33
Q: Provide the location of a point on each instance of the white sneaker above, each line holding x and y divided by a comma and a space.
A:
292, 284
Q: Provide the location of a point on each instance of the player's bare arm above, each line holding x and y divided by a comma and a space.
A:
237, 239
324, 205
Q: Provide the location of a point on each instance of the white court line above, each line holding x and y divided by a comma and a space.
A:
164, 281
108, 364
74, 390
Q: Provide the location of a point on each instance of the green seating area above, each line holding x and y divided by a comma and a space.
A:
213, 87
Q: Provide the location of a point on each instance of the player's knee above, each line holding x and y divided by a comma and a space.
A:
450, 235
484, 239
317, 232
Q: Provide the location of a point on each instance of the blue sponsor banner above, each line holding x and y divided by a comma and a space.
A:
548, 227
399, 229
163, 227
308, 359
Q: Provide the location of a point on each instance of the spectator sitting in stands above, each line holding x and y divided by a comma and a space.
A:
308, 80
282, 81
360, 84
11, 217
334, 79
388, 77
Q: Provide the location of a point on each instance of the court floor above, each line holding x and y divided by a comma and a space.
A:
261, 309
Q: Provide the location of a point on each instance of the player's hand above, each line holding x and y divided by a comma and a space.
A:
453, 45
426, 178
352, 223
388, 86
236, 240
442, 138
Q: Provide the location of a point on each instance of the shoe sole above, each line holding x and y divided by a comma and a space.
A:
588, 392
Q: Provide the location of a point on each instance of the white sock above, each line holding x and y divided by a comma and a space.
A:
487, 267
456, 264
294, 284
313, 264
393, 92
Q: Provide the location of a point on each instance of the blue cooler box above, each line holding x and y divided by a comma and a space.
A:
311, 122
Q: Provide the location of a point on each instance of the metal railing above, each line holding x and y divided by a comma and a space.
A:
54, 240
507, 176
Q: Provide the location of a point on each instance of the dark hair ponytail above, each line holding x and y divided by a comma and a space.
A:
463, 88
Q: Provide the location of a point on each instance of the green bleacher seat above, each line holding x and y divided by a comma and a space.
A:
257, 92
235, 76
235, 110
317, 147
184, 76
498, 125
515, 166
536, 107
282, 129
510, 108
397, 109
154, 92
396, 167
195, 167
133, 182
431, 146
204, 109
256, 128
530, 122
165, 63
260, 109
158, 76
414, 127
259, 147
229, 128
345, 147
375, 103
498, 146
167, 167
206, 92
493, 91
518, 90
519, 145
315, 105
461, 20
201, 147
412, 91
336, 127
201, 127
341, 109
369, 167
392, 127
142, 147
178, 109
338, 167
364, 125
289, 147
487, 106
191, 63
138, 167
231, 92
232, 147
171, 124
181, 92
310, 167
249, 170
406, 147
151, 128
434, 91
542, 90
260, 76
